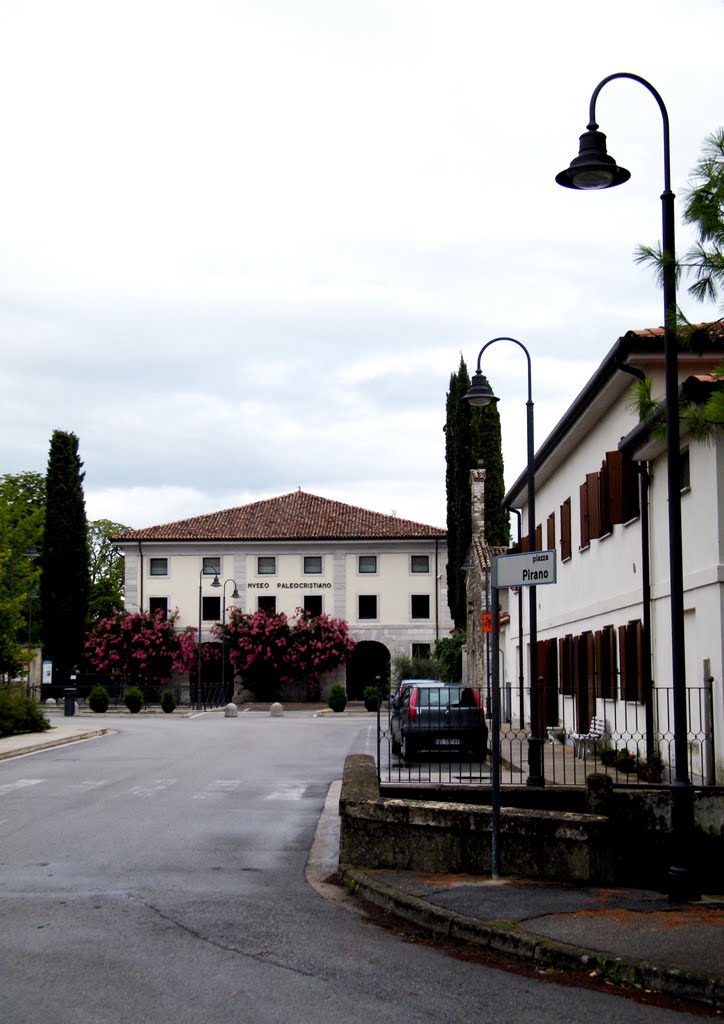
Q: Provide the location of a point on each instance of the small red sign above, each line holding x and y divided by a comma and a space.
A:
487, 622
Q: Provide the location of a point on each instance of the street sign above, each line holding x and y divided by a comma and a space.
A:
527, 569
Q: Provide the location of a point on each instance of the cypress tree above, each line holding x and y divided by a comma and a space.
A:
472, 438
65, 580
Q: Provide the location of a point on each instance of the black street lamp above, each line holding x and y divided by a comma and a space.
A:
480, 393
593, 168
234, 597
214, 583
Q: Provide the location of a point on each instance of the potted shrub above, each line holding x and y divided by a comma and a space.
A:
168, 701
337, 699
626, 762
608, 756
98, 699
133, 699
651, 769
371, 698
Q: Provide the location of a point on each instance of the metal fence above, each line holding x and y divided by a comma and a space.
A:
636, 748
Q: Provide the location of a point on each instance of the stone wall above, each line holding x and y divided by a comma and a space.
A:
429, 835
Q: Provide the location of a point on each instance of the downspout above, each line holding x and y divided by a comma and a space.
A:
437, 589
140, 576
647, 681
521, 671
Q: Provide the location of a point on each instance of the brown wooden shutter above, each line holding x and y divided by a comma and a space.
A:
551, 532
606, 663
593, 485
565, 664
539, 537
585, 534
566, 529
614, 486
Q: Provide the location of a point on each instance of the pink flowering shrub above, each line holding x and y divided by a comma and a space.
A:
142, 648
267, 651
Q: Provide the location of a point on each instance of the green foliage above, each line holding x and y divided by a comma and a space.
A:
98, 699
371, 698
20, 714
704, 208
448, 654
22, 517
106, 569
65, 581
337, 699
168, 701
406, 667
472, 439
133, 699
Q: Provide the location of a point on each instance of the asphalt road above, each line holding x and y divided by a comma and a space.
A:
157, 876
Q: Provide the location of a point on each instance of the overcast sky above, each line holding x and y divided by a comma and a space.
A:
244, 244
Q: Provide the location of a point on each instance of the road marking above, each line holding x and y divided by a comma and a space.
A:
215, 790
88, 784
152, 787
20, 784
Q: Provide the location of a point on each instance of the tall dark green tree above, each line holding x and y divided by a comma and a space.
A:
472, 439
65, 562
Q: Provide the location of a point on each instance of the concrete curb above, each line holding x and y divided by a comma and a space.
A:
508, 937
33, 746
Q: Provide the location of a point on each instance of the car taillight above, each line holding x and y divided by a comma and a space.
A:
413, 704
481, 709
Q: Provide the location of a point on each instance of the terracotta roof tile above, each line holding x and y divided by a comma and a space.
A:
295, 516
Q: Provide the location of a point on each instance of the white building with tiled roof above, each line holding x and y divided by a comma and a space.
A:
604, 628
384, 575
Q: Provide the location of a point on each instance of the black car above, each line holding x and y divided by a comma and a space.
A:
448, 718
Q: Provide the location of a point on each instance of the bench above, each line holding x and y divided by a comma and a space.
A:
585, 742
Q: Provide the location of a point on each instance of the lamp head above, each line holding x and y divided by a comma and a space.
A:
593, 168
480, 391
215, 581
236, 595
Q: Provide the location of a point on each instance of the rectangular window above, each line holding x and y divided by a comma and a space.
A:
420, 650
267, 604
211, 609
313, 604
566, 529
367, 564
420, 606
312, 565
158, 566
266, 565
158, 604
367, 606
420, 563
622, 488
211, 566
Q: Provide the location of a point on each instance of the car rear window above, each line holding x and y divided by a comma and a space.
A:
439, 697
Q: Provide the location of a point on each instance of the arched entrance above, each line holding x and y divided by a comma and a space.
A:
369, 660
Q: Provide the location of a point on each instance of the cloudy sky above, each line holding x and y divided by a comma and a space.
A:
243, 243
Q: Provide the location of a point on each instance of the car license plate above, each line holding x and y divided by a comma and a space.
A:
444, 742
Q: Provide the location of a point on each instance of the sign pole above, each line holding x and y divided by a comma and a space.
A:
495, 734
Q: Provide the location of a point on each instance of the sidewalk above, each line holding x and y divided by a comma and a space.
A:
631, 937
62, 731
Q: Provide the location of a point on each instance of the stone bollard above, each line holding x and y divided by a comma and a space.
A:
50, 702
231, 711
276, 710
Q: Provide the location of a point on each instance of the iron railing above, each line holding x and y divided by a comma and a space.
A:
630, 751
